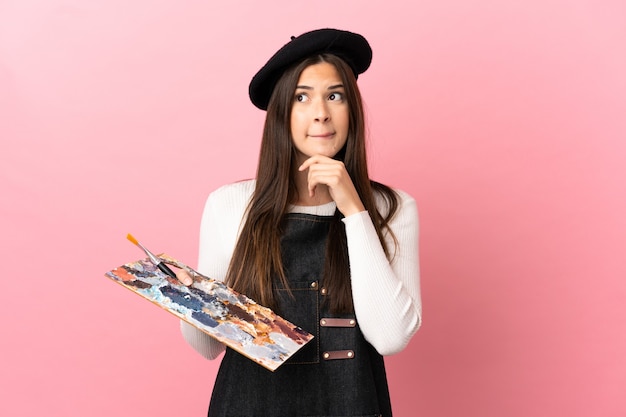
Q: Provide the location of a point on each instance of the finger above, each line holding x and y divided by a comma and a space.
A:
319, 178
184, 277
312, 184
339, 185
324, 174
315, 159
330, 180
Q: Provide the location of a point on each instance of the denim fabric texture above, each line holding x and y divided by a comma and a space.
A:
307, 384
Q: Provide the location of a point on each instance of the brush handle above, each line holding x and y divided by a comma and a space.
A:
166, 270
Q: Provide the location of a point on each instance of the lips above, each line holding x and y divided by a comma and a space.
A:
322, 135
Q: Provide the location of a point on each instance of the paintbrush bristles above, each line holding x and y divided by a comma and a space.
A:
132, 239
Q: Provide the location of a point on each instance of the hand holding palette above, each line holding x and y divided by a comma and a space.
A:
232, 318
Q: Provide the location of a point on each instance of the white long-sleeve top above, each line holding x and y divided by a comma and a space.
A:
386, 295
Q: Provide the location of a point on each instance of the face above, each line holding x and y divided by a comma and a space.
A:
319, 115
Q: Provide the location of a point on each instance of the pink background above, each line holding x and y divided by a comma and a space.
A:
506, 121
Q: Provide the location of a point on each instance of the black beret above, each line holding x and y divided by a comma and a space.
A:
351, 47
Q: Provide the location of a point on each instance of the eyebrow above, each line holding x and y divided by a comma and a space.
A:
332, 87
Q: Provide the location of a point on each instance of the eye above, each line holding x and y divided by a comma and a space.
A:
301, 98
335, 96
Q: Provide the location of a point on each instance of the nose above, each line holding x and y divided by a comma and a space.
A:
321, 111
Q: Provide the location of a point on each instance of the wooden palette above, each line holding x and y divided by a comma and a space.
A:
232, 318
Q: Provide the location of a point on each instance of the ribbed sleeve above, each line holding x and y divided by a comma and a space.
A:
386, 295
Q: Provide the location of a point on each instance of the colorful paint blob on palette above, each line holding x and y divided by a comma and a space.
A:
232, 318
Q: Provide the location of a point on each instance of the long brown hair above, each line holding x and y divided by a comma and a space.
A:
257, 260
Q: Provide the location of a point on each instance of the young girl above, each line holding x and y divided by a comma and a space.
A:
315, 239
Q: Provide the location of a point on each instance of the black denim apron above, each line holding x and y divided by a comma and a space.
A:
337, 374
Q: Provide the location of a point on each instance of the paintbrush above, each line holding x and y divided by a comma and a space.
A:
159, 263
